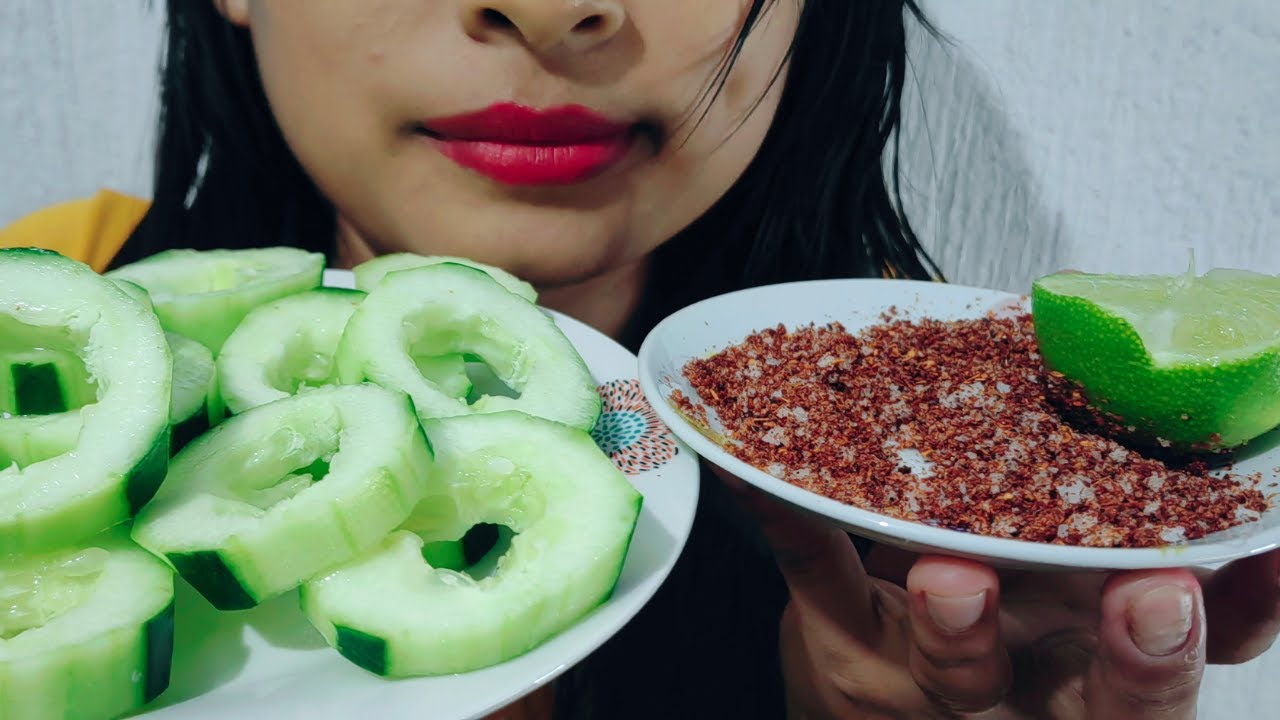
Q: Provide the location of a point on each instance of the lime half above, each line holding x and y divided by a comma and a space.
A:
1190, 362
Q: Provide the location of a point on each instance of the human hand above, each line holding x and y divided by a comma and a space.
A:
934, 637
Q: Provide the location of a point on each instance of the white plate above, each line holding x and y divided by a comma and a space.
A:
720, 322
269, 664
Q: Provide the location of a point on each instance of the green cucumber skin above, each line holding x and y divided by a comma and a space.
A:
37, 389
210, 575
184, 431
34, 252
158, 641
445, 554
145, 477
344, 293
626, 550
365, 651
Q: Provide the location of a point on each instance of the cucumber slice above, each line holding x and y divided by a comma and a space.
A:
284, 347
274, 495
194, 407
204, 294
572, 514
369, 273
288, 346
195, 404
85, 632
452, 309
135, 291
121, 451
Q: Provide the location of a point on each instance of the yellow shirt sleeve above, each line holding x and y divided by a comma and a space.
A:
91, 230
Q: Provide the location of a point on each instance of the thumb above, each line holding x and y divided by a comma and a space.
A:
1150, 648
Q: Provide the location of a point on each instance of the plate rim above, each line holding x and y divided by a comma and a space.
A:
1001, 551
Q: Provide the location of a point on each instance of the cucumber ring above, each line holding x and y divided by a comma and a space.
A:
284, 346
204, 294
369, 273
573, 513
194, 407
85, 632
287, 346
446, 309
47, 300
281, 492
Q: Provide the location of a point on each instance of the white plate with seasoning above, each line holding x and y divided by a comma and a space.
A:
895, 436
268, 663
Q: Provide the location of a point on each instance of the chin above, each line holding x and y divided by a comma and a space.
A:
560, 266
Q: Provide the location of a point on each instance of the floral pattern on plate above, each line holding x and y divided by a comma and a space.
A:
629, 431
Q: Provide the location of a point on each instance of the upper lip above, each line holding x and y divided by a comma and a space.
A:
509, 123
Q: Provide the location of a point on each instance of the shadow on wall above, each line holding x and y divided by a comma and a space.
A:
968, 186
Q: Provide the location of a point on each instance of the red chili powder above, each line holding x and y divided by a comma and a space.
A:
950, 424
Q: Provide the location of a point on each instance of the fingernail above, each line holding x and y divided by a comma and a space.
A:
955, 614
1160, 620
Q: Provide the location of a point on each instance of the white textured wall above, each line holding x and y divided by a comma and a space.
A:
1092, 134
77, 99
1097, 134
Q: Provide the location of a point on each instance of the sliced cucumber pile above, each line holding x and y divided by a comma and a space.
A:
415, 461
285, 490
370, 273
570, 513
52, 495
205, 295
85, 632
447, 308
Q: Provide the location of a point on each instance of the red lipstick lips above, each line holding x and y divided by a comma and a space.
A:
516, 145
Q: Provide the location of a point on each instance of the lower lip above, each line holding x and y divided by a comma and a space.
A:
534, 165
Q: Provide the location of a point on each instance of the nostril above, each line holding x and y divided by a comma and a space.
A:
589, 24
496, 19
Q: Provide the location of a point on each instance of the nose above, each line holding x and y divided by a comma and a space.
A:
546, 25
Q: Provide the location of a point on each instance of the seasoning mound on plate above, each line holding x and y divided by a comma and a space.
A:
950, 423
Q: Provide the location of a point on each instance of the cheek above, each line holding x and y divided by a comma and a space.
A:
319, 64
719, 140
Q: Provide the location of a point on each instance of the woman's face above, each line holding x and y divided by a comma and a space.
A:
550, 137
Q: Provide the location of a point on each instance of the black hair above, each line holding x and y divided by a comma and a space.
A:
224, 177
816, 202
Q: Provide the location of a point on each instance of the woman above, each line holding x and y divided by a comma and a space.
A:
691, 148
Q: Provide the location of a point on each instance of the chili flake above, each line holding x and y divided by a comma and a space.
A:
951, 423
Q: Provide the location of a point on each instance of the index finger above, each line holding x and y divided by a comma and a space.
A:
957, 655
